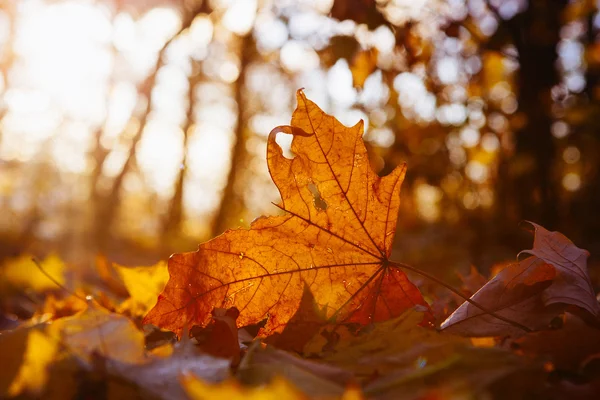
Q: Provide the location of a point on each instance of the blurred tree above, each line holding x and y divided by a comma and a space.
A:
492, 103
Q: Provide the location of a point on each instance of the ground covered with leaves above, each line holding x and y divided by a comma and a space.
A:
304, 304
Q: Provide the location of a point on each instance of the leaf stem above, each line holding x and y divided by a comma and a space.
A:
56, 282
458, 293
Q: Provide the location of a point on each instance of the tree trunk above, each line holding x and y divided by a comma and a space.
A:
536, 34
232, 203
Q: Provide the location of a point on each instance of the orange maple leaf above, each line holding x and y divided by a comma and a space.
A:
335, 237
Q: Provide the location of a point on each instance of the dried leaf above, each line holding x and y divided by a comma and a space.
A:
335, 238
572, 284
515, 293
531, 292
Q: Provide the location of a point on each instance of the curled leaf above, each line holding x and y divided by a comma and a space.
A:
572, 284
515, 293
530, 292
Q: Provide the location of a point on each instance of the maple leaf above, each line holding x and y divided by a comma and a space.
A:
531, 292
335, 237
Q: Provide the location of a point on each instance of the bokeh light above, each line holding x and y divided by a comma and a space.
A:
148, 120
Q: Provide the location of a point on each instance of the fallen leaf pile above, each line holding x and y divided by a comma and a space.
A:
304, 304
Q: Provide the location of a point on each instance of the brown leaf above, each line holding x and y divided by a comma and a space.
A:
531, 292
572, 284
515, 293
335, 237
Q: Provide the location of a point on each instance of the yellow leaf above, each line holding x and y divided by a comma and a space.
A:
144, 284
22, 273
278, 389
32, 373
